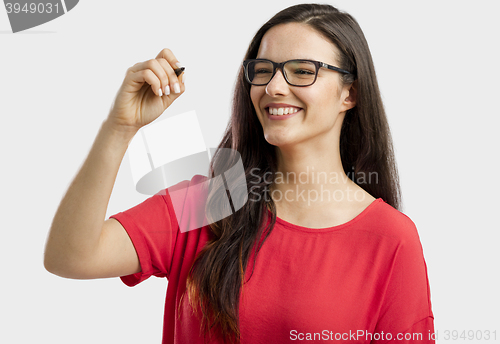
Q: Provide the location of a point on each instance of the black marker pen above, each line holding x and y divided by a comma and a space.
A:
178, 71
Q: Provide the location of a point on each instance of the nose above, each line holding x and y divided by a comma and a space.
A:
277, 85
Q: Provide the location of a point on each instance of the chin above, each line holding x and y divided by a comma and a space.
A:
278, 140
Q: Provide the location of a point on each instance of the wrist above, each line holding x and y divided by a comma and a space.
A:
121, 131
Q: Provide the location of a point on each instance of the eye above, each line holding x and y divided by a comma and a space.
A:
262, 71
304, 72
300, 68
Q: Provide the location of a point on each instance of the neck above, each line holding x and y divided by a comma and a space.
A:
311, 175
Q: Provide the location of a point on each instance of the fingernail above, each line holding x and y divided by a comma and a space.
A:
160, 92
184, 78
178, 65
167, 90
177, 88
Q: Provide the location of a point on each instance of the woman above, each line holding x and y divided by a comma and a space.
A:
319, 251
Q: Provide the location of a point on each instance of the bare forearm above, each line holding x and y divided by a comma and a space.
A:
77, 224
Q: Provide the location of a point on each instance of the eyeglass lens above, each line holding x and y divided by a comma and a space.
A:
300, 73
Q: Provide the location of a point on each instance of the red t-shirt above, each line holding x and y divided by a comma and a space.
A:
364, 281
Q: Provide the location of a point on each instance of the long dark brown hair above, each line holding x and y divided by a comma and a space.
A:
218, 273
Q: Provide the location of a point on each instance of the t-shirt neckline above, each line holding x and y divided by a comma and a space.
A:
333, 228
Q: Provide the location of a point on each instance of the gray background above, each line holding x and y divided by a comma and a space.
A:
437, 64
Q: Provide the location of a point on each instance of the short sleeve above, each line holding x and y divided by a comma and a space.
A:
406, 315
152, 227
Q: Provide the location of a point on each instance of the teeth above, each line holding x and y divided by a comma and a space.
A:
282, 111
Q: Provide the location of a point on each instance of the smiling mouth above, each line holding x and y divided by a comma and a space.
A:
281, 110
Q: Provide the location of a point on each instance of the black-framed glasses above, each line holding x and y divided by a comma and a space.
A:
259, 72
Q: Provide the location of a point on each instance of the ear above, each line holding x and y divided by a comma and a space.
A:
350, 98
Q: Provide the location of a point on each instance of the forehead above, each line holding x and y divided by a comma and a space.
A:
296, 41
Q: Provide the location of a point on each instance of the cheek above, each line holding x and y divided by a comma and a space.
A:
312, 99
328, 98
322, 105
255, 95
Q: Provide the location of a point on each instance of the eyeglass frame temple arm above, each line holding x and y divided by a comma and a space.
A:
322, 64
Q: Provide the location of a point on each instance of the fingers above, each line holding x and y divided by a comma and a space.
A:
160, 74
170, 80
168, 55
140, 76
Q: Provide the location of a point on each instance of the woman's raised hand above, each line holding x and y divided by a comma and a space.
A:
148, 89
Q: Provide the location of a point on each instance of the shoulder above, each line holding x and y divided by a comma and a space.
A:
186, 190
186, 201
385, 220
394, 234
